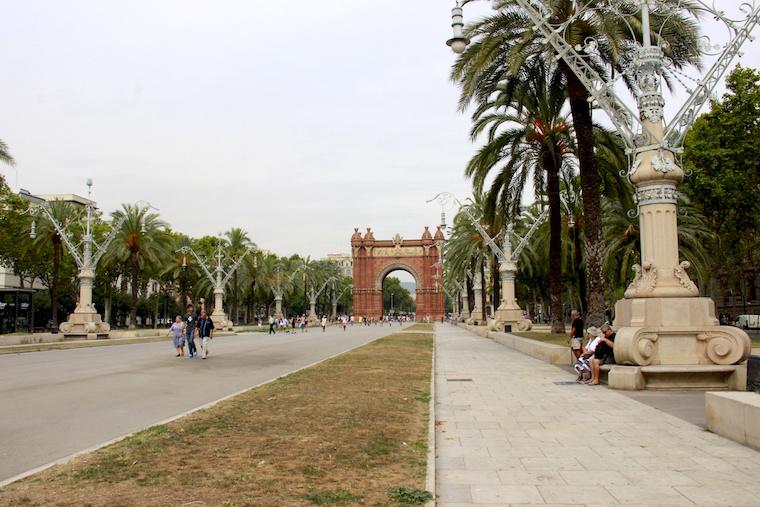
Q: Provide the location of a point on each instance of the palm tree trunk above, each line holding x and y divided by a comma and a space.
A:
155, 313
496, 294
555, 247
483, 295
470, 296
133, 303
577, 264
234, 309
54, 285
107, 301
591, 189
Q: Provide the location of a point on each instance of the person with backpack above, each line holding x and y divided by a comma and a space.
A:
205, 333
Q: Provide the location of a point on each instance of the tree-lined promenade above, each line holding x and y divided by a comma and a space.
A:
147, 274
533, 120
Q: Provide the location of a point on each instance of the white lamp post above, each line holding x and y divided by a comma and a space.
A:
85, 321
313, 295
667, 335
508, 312
219, 278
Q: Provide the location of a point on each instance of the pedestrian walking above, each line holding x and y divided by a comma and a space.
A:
205, 333
178, 336
190, 319
324, 323
271, 325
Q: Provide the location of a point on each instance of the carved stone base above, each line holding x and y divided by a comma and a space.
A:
86, 324
676, 332
513, 316
221, 322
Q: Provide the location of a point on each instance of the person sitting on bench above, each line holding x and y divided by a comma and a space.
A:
604, 353
582, 365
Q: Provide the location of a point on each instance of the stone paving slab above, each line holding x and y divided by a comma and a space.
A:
511, 430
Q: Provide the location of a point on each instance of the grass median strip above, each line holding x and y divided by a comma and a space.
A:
63, 345
349, 431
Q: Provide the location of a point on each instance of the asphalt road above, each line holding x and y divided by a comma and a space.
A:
56, 403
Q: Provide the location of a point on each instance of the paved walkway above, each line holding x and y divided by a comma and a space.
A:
511, 430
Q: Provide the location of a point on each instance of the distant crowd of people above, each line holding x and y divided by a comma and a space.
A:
188, 327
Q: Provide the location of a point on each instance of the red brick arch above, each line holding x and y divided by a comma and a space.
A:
374, 259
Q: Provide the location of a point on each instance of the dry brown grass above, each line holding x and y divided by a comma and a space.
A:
421, 326
345, 432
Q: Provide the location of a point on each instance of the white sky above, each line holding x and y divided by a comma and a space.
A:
295, 120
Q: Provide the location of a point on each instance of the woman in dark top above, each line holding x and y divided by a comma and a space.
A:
604, 353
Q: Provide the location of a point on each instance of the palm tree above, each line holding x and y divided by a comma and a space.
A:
253, 277
532, 137
238, 242
142, 242
505, 42
5, 154
64, 213
466, 251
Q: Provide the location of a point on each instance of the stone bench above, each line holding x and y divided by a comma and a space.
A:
735, 416
547, 352
679, 376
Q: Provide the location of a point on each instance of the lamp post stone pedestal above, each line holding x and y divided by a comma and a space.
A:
476, 317
278, 306
464, 315
85, 321
667, 335
509, 312
218, 316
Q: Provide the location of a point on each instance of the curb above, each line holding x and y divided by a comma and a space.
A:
430, 478
210, 404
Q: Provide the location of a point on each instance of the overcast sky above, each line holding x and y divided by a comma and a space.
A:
296, 121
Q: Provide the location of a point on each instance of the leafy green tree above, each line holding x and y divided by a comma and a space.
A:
721, 153
402, 298
143, 243
17, 251
530, 137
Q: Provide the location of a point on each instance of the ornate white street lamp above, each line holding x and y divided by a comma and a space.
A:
313, 295
336, 297
220, 277
85, 321
667, 334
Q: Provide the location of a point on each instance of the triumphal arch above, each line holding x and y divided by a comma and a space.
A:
374, 259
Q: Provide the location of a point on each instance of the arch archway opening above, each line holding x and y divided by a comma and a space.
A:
399, 293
